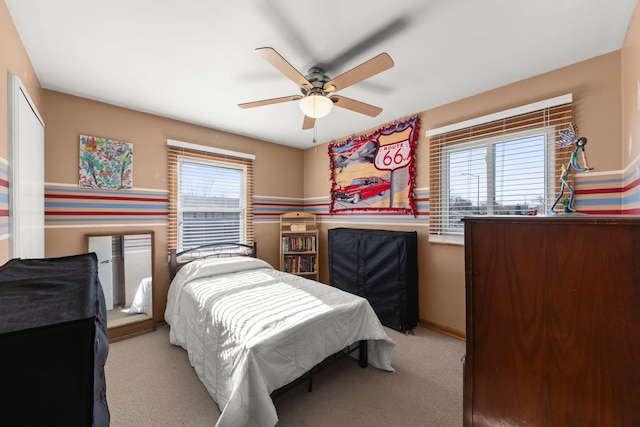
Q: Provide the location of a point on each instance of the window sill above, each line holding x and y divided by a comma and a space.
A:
447, 239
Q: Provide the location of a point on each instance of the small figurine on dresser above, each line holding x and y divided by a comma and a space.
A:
569, 138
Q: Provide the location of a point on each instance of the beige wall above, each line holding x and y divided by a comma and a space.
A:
605, 91
595, 85
631, 92
68, 117
13, 59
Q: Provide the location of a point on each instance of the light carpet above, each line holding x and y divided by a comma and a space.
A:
151, 383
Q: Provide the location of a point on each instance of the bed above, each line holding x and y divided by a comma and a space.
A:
250, 330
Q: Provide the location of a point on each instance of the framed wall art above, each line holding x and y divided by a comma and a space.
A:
105, 163
375, 172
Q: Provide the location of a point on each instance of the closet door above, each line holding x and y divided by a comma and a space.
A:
26, 174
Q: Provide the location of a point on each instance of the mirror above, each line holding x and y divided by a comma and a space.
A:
125, 270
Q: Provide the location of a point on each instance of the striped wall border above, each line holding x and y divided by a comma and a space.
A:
268, 210
134, 243
68, 206
596, 193
609, 192
4, 199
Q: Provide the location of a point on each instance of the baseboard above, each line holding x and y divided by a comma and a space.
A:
443, 329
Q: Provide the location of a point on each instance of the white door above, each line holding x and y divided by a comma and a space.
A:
26, 174
101, 245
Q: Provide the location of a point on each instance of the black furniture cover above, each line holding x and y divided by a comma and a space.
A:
380, 265
53, 343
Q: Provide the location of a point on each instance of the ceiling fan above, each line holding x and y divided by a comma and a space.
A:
318, 89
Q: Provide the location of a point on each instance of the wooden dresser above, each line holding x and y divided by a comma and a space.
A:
553, 321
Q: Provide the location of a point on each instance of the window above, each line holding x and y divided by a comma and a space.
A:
508, 166
211, 202
505, 175
210, 198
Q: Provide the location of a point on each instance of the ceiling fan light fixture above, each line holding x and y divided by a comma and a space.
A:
316, 105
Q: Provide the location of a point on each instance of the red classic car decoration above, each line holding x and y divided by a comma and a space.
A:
362, 188
375, 173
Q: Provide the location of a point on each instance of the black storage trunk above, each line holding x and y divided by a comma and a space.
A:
53, 343
381, 266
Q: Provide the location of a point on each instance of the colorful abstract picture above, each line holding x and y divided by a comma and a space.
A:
105, 163
375, 172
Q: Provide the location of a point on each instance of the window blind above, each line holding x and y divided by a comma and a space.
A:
492, 167
201, 222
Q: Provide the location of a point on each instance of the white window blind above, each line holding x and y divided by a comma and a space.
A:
506, 166
210, 198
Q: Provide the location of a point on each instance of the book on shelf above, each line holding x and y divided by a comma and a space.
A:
299, 244
300, 263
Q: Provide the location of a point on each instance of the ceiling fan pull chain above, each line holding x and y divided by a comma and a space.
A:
315, 135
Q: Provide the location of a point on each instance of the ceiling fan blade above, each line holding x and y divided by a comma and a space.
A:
275, 59
270, 101
289, 29
308, 123
370, 42
363, 71
357, 106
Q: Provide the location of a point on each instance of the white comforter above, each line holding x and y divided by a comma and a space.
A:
250, 329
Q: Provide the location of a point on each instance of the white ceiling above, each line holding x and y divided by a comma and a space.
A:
195, 60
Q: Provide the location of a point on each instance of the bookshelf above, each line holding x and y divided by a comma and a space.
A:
299, 244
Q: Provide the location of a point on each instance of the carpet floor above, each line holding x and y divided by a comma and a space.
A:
151, 383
